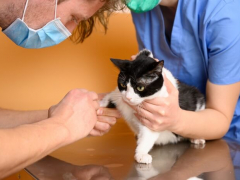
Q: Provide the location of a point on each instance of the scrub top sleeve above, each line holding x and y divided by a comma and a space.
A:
140, 43
139, 24
223, 43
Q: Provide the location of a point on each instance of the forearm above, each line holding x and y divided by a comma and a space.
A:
29, 143
11, 118
207, 124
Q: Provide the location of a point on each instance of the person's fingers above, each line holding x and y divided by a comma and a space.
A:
109, 112
83, 90
93, 95
170, 87
100, 129
96, 105
133, 57
95, 132
143, 120
101, 95
149, 108
107, 119
146, 114
151, 125
158, 101
101, 126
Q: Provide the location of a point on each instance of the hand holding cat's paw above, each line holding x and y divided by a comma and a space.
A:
107, 117
143, 158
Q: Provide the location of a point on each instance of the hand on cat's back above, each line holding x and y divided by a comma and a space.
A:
107, 117
161, 113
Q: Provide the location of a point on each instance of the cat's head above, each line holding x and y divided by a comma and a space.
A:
140, 78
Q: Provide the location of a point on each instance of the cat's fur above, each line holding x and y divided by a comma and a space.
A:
146, 72
164, 159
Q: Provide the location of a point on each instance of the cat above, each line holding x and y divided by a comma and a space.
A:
165, 158
142, 79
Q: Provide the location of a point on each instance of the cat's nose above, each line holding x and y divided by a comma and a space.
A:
128, 97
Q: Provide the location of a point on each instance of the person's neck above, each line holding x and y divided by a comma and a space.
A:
169, 3
10, 10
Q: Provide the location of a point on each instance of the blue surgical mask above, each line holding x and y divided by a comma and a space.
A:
51, 34
140, 6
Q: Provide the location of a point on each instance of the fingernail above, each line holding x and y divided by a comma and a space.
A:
163, 112
167, 103
99, 111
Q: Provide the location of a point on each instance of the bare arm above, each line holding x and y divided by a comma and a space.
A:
70, 120
212, 123
11, 118
26, 144
107, 117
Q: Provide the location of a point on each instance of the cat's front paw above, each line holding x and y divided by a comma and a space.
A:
143, 158
198, 143
105, 101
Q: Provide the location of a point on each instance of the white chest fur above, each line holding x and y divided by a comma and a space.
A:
146, 137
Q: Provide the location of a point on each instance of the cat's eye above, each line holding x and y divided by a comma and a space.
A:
140, 88
122, 85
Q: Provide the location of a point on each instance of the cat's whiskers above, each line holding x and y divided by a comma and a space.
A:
122, 76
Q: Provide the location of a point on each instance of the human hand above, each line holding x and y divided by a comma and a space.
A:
55, 169
106, 119
161, 113
133, 57
76, 112
92, 172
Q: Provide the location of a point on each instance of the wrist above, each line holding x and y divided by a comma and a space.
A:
60, 134
179, 122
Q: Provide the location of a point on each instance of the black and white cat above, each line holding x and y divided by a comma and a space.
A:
142, 79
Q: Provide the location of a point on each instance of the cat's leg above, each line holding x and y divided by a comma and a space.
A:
105, 101
145, 142
114, 95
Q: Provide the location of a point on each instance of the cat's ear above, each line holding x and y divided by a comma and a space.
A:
158, 69
120, 64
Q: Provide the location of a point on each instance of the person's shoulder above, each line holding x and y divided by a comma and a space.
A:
226, 11
211, 11
210, 8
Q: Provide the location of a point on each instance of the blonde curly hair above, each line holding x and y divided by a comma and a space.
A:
85, 28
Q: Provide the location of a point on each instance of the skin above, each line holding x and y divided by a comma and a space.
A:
162, 114
40, 12
76, 116
54, 169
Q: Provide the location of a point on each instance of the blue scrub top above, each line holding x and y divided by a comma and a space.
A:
205, 44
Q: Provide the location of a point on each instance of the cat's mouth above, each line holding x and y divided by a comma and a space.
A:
131, 102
